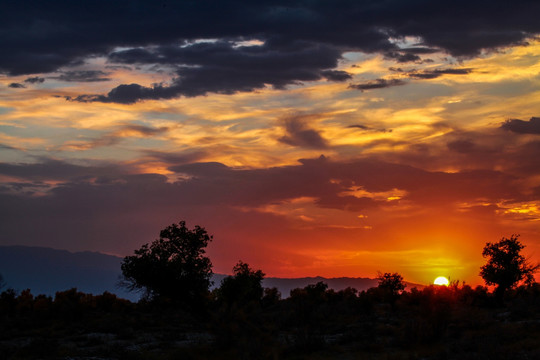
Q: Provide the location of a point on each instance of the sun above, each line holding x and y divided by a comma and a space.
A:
441, 280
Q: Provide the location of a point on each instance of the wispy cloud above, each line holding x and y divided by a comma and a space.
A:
377, 84
299, 133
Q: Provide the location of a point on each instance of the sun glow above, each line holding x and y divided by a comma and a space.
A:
441, 280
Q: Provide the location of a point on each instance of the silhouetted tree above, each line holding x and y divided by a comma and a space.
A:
243, 287
173, 266
390, 286
393, 283
506, 267
2, 282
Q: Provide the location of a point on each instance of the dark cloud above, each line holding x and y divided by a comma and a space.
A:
144, 130
34, 80
401, 57
7, 147
462, 146
48, 169
522, 127
221, 67
525, 159
336, 75
377, 84
419, 50
175, 159
432, 74
118, 67
63, 33
359, 126
105, 206
214, 183
425, 75
300, 134
123, 94
16, 86
367, 128
409, 54
464, 71
83, 76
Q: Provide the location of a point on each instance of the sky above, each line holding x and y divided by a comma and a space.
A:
331, 138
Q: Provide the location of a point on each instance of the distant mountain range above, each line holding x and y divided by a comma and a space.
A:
46, 271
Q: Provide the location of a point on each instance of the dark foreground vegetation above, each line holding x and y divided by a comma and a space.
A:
313, 323
179, 318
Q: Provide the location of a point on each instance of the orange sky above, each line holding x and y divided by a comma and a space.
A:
377, 162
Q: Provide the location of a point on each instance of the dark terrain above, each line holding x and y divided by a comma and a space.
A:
313, 323
245, 316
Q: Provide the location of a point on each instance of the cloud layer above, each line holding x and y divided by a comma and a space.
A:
249, 45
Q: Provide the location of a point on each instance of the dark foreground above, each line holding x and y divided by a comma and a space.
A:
314, 323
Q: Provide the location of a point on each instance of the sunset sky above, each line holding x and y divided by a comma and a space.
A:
331, 138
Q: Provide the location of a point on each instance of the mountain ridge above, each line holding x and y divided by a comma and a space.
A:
46, 270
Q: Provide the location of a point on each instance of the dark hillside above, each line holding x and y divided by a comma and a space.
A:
46, 271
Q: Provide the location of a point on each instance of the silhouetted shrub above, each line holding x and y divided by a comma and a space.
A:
69, 304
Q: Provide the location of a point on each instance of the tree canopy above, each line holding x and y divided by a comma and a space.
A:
173, 266
244, 286
392, 283
506, 267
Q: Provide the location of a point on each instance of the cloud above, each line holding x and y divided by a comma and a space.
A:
336, 75
462, 146
359, 126
16, 86
296, 44
401, 57
49, 195
522, 127
114, 137
87, 144
367, 128
223, 68
377, 84
82, 76
175, 159
298, 133
49, 169
432, 74
34, 80
409, 54
143, 130
214, 183
118, 67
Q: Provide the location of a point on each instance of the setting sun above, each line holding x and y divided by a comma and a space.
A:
441, 280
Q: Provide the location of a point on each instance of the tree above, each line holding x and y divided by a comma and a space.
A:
393, 283
173, 267
2, 283
390, 287
243, 287
505, 266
